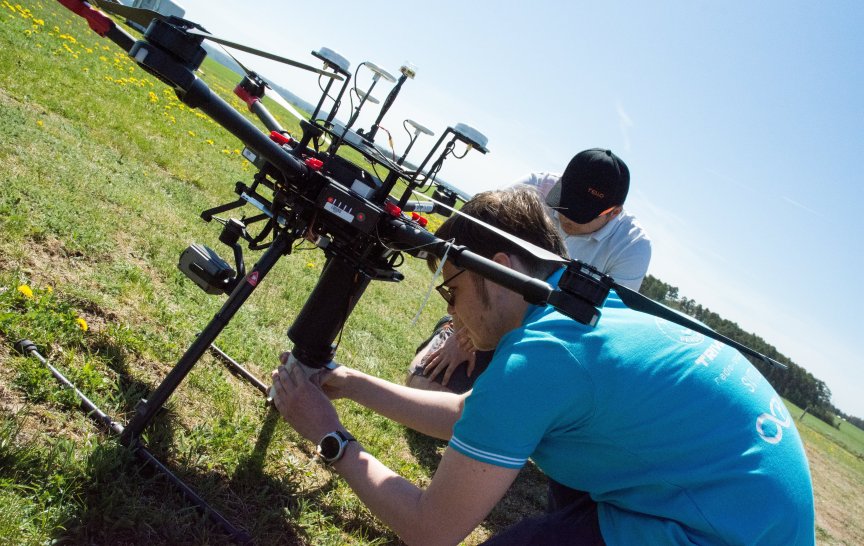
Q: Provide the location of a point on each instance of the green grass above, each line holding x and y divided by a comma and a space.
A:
846, 437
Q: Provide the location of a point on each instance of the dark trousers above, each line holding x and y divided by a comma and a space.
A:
571, 518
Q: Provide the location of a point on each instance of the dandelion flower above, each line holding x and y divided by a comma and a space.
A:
40, 123
82, 324
310, 265
24, 289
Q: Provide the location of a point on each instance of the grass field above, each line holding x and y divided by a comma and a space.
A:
104, 175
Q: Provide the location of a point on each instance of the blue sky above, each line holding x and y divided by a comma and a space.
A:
742, 124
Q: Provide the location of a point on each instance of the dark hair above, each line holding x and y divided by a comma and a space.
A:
518, 211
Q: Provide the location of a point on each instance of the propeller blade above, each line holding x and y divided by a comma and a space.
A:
280, 100
136, 15
264, 54
632, 299
636, 301
276, 96
539, 253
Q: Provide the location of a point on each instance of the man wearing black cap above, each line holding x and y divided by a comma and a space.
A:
588, 201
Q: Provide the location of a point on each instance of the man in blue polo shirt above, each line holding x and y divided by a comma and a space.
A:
650, 433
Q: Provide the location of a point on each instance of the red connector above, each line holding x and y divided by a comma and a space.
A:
314, 164
98, 21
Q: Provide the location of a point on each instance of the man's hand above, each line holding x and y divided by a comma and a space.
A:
332, 380
303, 404
455, 350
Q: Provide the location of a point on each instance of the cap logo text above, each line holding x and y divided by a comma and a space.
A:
595, 193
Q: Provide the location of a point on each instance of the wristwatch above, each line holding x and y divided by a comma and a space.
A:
332, 446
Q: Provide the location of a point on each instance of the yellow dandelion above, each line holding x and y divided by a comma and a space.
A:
209, 141
40, 123
191, 133
310, 265
49, 289
82, 324
26, 291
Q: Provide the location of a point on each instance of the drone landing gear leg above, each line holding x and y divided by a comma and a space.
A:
147, 409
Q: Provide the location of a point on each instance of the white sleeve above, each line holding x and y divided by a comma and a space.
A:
542, 182
630, 267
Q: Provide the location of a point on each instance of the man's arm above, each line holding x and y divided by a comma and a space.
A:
430, 412
462, 491
461, 494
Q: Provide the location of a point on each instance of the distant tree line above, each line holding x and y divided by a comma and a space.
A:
795, 383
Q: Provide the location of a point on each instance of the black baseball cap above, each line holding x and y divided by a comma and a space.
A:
593, 181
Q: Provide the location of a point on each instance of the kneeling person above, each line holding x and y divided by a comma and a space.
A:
648, 432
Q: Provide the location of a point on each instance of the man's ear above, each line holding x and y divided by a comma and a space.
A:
616, 211
503, 259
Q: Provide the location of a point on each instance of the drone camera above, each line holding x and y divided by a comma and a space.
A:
206, 269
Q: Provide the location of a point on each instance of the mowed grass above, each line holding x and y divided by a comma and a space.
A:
836, 457
104, 175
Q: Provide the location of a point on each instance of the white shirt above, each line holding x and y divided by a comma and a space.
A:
620, 249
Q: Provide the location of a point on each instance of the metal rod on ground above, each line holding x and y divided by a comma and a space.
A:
237, 368
28, 348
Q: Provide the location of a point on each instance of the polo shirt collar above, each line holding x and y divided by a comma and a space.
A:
604, 232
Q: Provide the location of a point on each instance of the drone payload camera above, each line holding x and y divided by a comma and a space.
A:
304, 190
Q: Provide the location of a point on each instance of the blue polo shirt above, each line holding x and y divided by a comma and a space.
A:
677, 437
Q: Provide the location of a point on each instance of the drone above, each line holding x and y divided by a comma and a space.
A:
305, 190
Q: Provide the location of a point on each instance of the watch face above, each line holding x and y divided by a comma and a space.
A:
329, 447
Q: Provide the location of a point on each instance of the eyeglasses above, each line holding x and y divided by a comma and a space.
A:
445, 291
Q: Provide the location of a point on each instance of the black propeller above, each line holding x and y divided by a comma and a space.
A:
140, 16
631, 298
207, 36
636, 301
275, 95
144, 17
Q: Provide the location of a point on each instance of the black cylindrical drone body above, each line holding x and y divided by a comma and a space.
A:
325, 311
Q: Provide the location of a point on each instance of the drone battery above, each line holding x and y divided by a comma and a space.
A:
206, 269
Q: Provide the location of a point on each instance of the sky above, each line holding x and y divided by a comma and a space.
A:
742, 124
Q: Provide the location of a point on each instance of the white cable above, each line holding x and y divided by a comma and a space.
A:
431, 287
